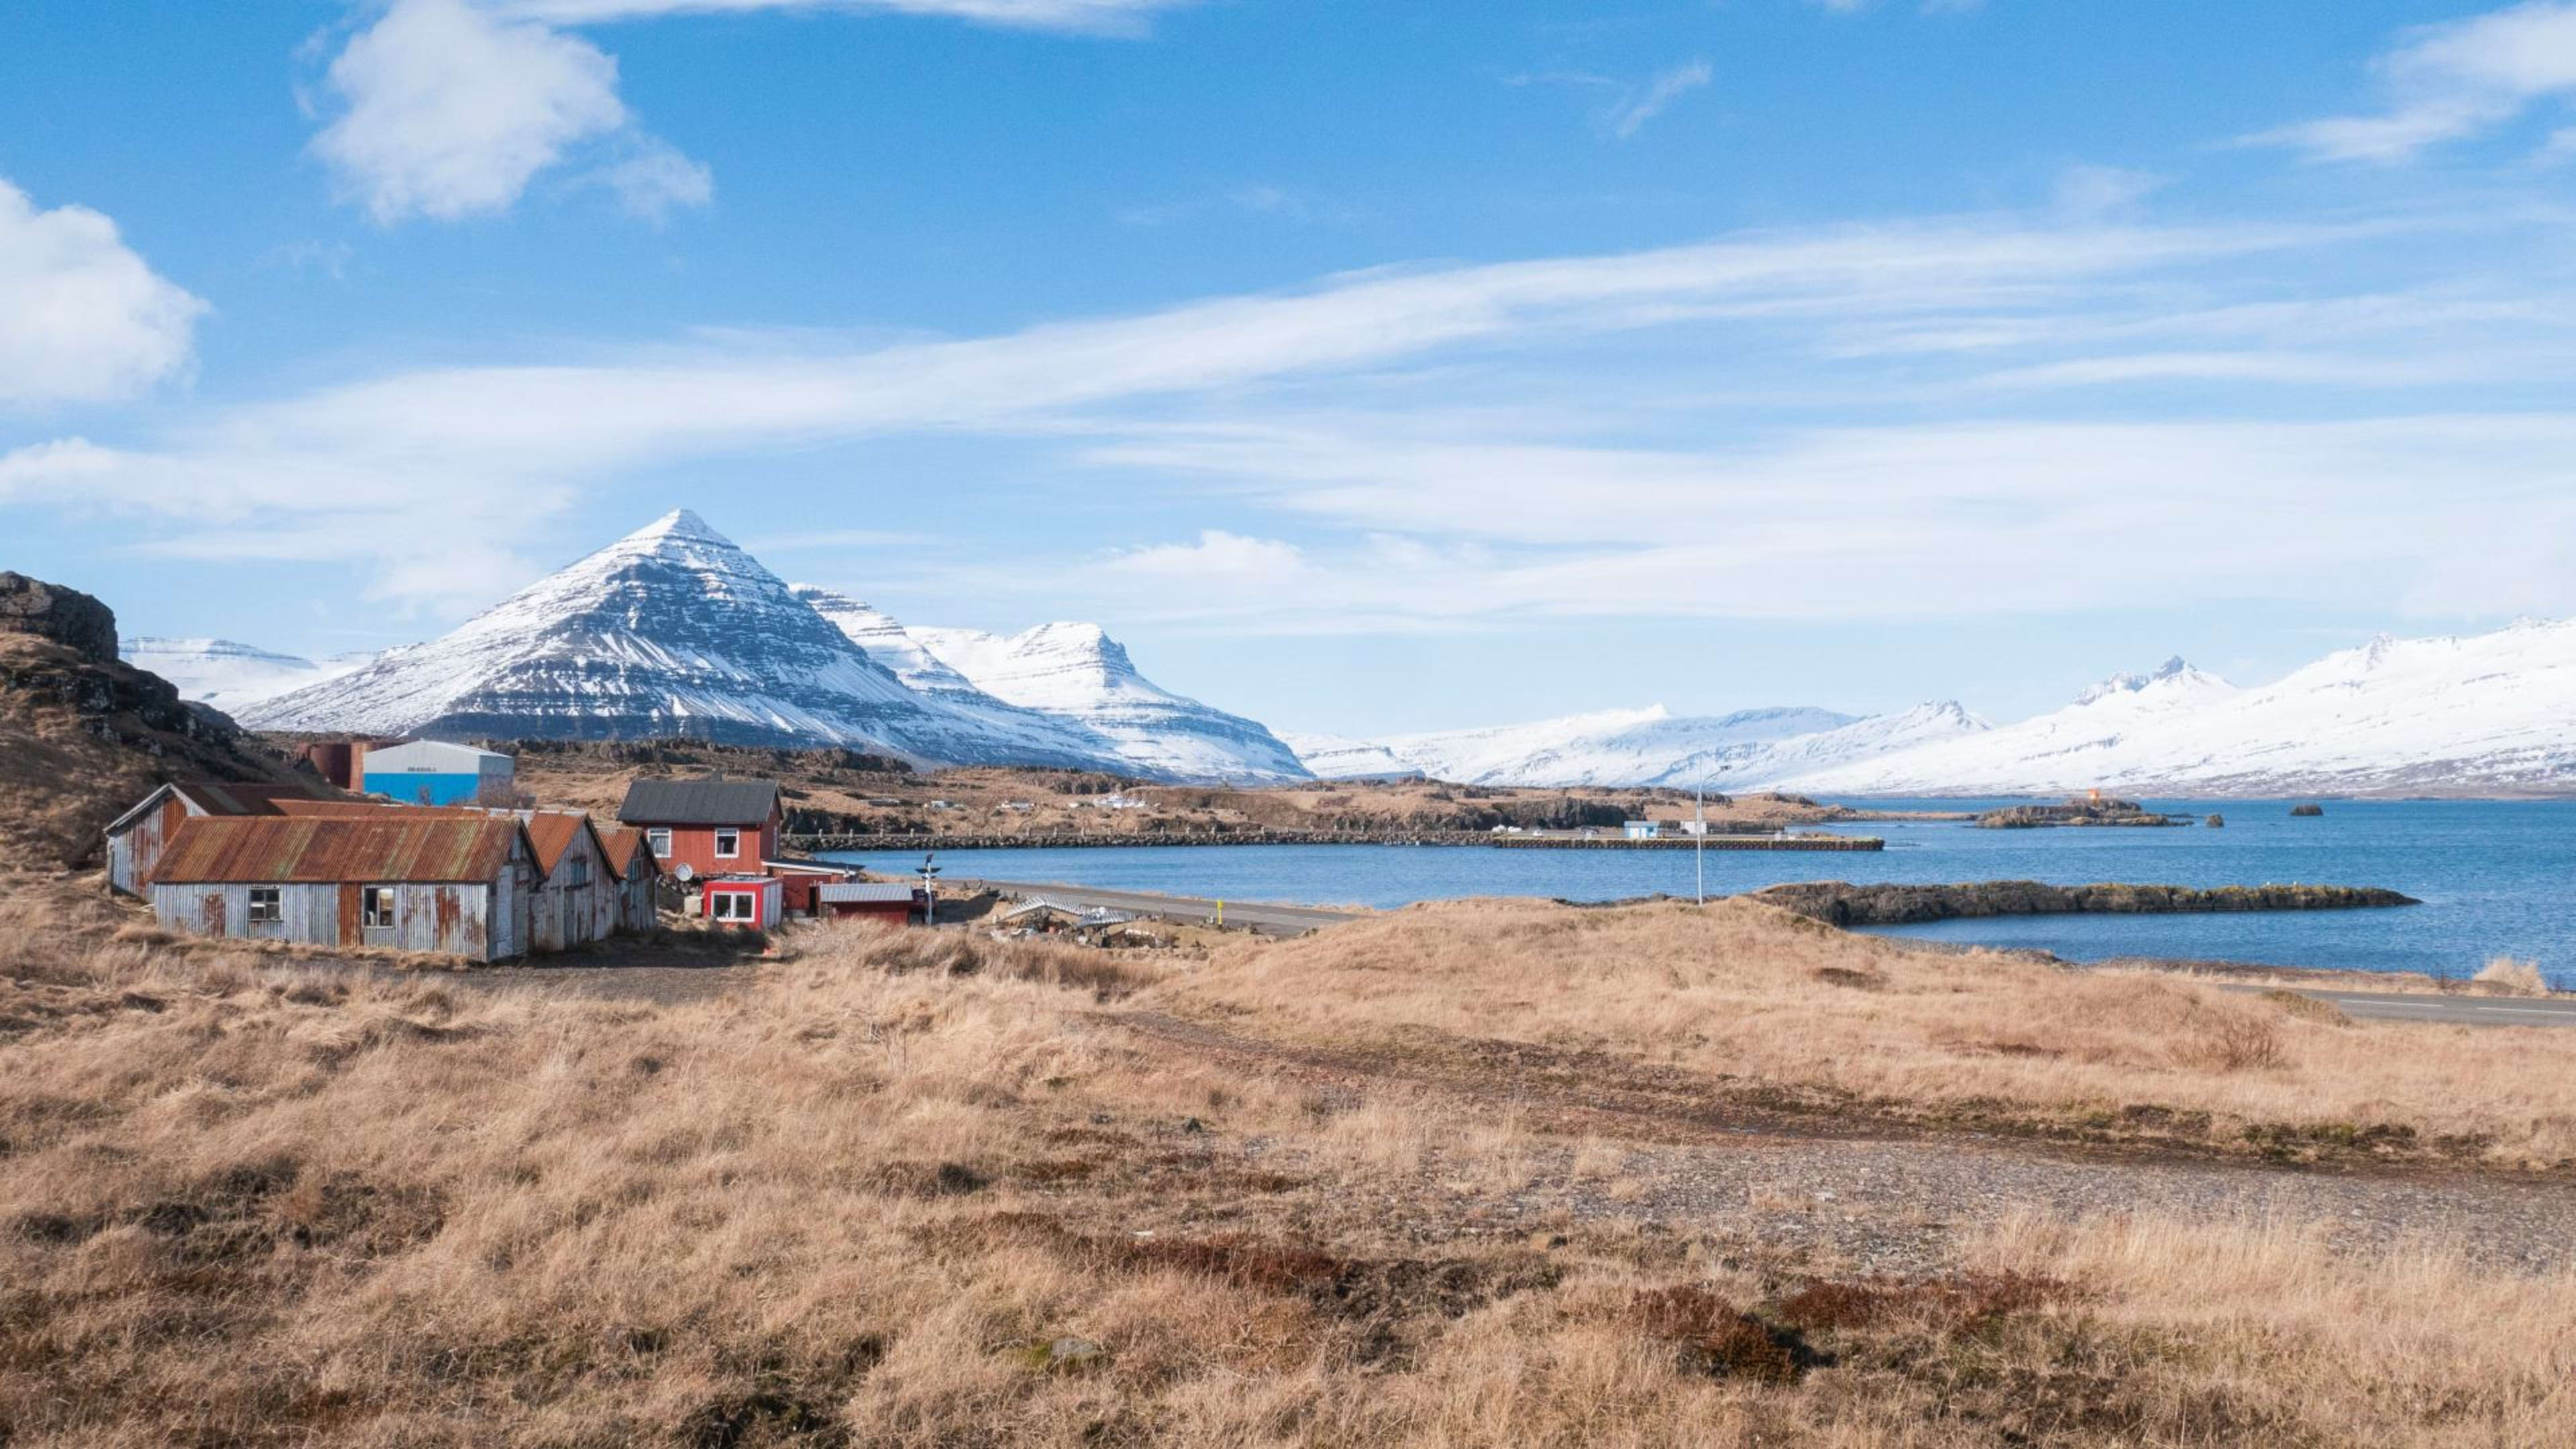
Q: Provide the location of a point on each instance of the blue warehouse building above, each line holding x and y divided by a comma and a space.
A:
427, 772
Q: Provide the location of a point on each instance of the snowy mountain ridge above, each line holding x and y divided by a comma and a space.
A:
1076, 677
1077, 672
2486, 713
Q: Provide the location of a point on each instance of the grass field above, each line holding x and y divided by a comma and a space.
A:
936, 1189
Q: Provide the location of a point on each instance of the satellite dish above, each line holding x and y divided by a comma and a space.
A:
685, 871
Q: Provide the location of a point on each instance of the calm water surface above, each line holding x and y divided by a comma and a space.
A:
2496, 878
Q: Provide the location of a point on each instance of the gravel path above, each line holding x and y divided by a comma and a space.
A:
1883, 1198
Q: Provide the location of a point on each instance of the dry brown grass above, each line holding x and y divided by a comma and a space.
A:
2516, 977
1764, 1007
913, 1190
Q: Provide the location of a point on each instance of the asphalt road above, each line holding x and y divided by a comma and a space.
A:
2460, 1010
1270, 920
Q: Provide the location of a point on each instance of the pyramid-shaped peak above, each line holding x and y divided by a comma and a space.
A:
678, 525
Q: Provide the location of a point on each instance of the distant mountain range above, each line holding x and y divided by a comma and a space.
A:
2487, 714
674, 630
229, 675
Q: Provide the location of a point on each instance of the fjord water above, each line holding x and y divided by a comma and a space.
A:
2496, 878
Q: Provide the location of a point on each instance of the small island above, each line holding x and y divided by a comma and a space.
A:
2093, 809
2306, 812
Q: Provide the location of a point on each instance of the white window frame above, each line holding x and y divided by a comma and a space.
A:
375, 901
728, 842
742, 906
269, 912
658, 840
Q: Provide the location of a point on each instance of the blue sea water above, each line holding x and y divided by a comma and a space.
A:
2496, 878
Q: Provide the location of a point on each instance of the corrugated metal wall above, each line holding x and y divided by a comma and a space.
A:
448, 919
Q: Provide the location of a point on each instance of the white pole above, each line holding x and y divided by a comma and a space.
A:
1699, 839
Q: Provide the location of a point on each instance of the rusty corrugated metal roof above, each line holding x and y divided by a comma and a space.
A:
370, 808
551, 833
401, 846
624, 845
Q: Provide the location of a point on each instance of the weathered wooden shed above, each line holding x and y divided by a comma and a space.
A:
576, 898
454, 884
639, 876
136, 838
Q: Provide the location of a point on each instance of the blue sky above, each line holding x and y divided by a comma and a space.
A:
1365, 366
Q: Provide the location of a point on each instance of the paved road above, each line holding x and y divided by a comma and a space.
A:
1270, 920
2461, 1010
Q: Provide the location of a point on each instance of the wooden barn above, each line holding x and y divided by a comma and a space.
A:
451, 883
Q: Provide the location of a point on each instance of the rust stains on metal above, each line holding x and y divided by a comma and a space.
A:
624, 846
392, 846
550, 833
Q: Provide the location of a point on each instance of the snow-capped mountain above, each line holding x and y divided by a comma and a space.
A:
671, 630
2492, 712
1613, 747
229, 675
889, 644
1076, 672
1338, 757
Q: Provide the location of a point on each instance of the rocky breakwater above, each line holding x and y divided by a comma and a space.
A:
2082, 810
1842, 903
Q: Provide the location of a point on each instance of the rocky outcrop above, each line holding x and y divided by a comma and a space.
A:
2082, 810
1841, 903
83, 735
2307, 812
66, 616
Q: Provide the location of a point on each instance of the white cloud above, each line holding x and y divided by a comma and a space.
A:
450, 111
657, 178
2452, 81
447, 109
2090, 193
1624, 120
82, 318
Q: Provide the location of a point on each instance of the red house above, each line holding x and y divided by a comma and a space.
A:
714, 827
885, 903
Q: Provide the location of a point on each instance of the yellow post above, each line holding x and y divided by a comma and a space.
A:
1220, 913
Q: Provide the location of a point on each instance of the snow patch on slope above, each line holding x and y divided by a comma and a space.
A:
226, 674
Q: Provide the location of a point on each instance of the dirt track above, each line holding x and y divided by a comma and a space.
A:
1886, 1196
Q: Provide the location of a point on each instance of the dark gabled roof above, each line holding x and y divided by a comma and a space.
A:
212, 797
399, 846
699, 802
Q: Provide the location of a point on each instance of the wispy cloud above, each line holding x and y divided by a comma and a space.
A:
2126, 407
82, 317
2450, 82
1625, 119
